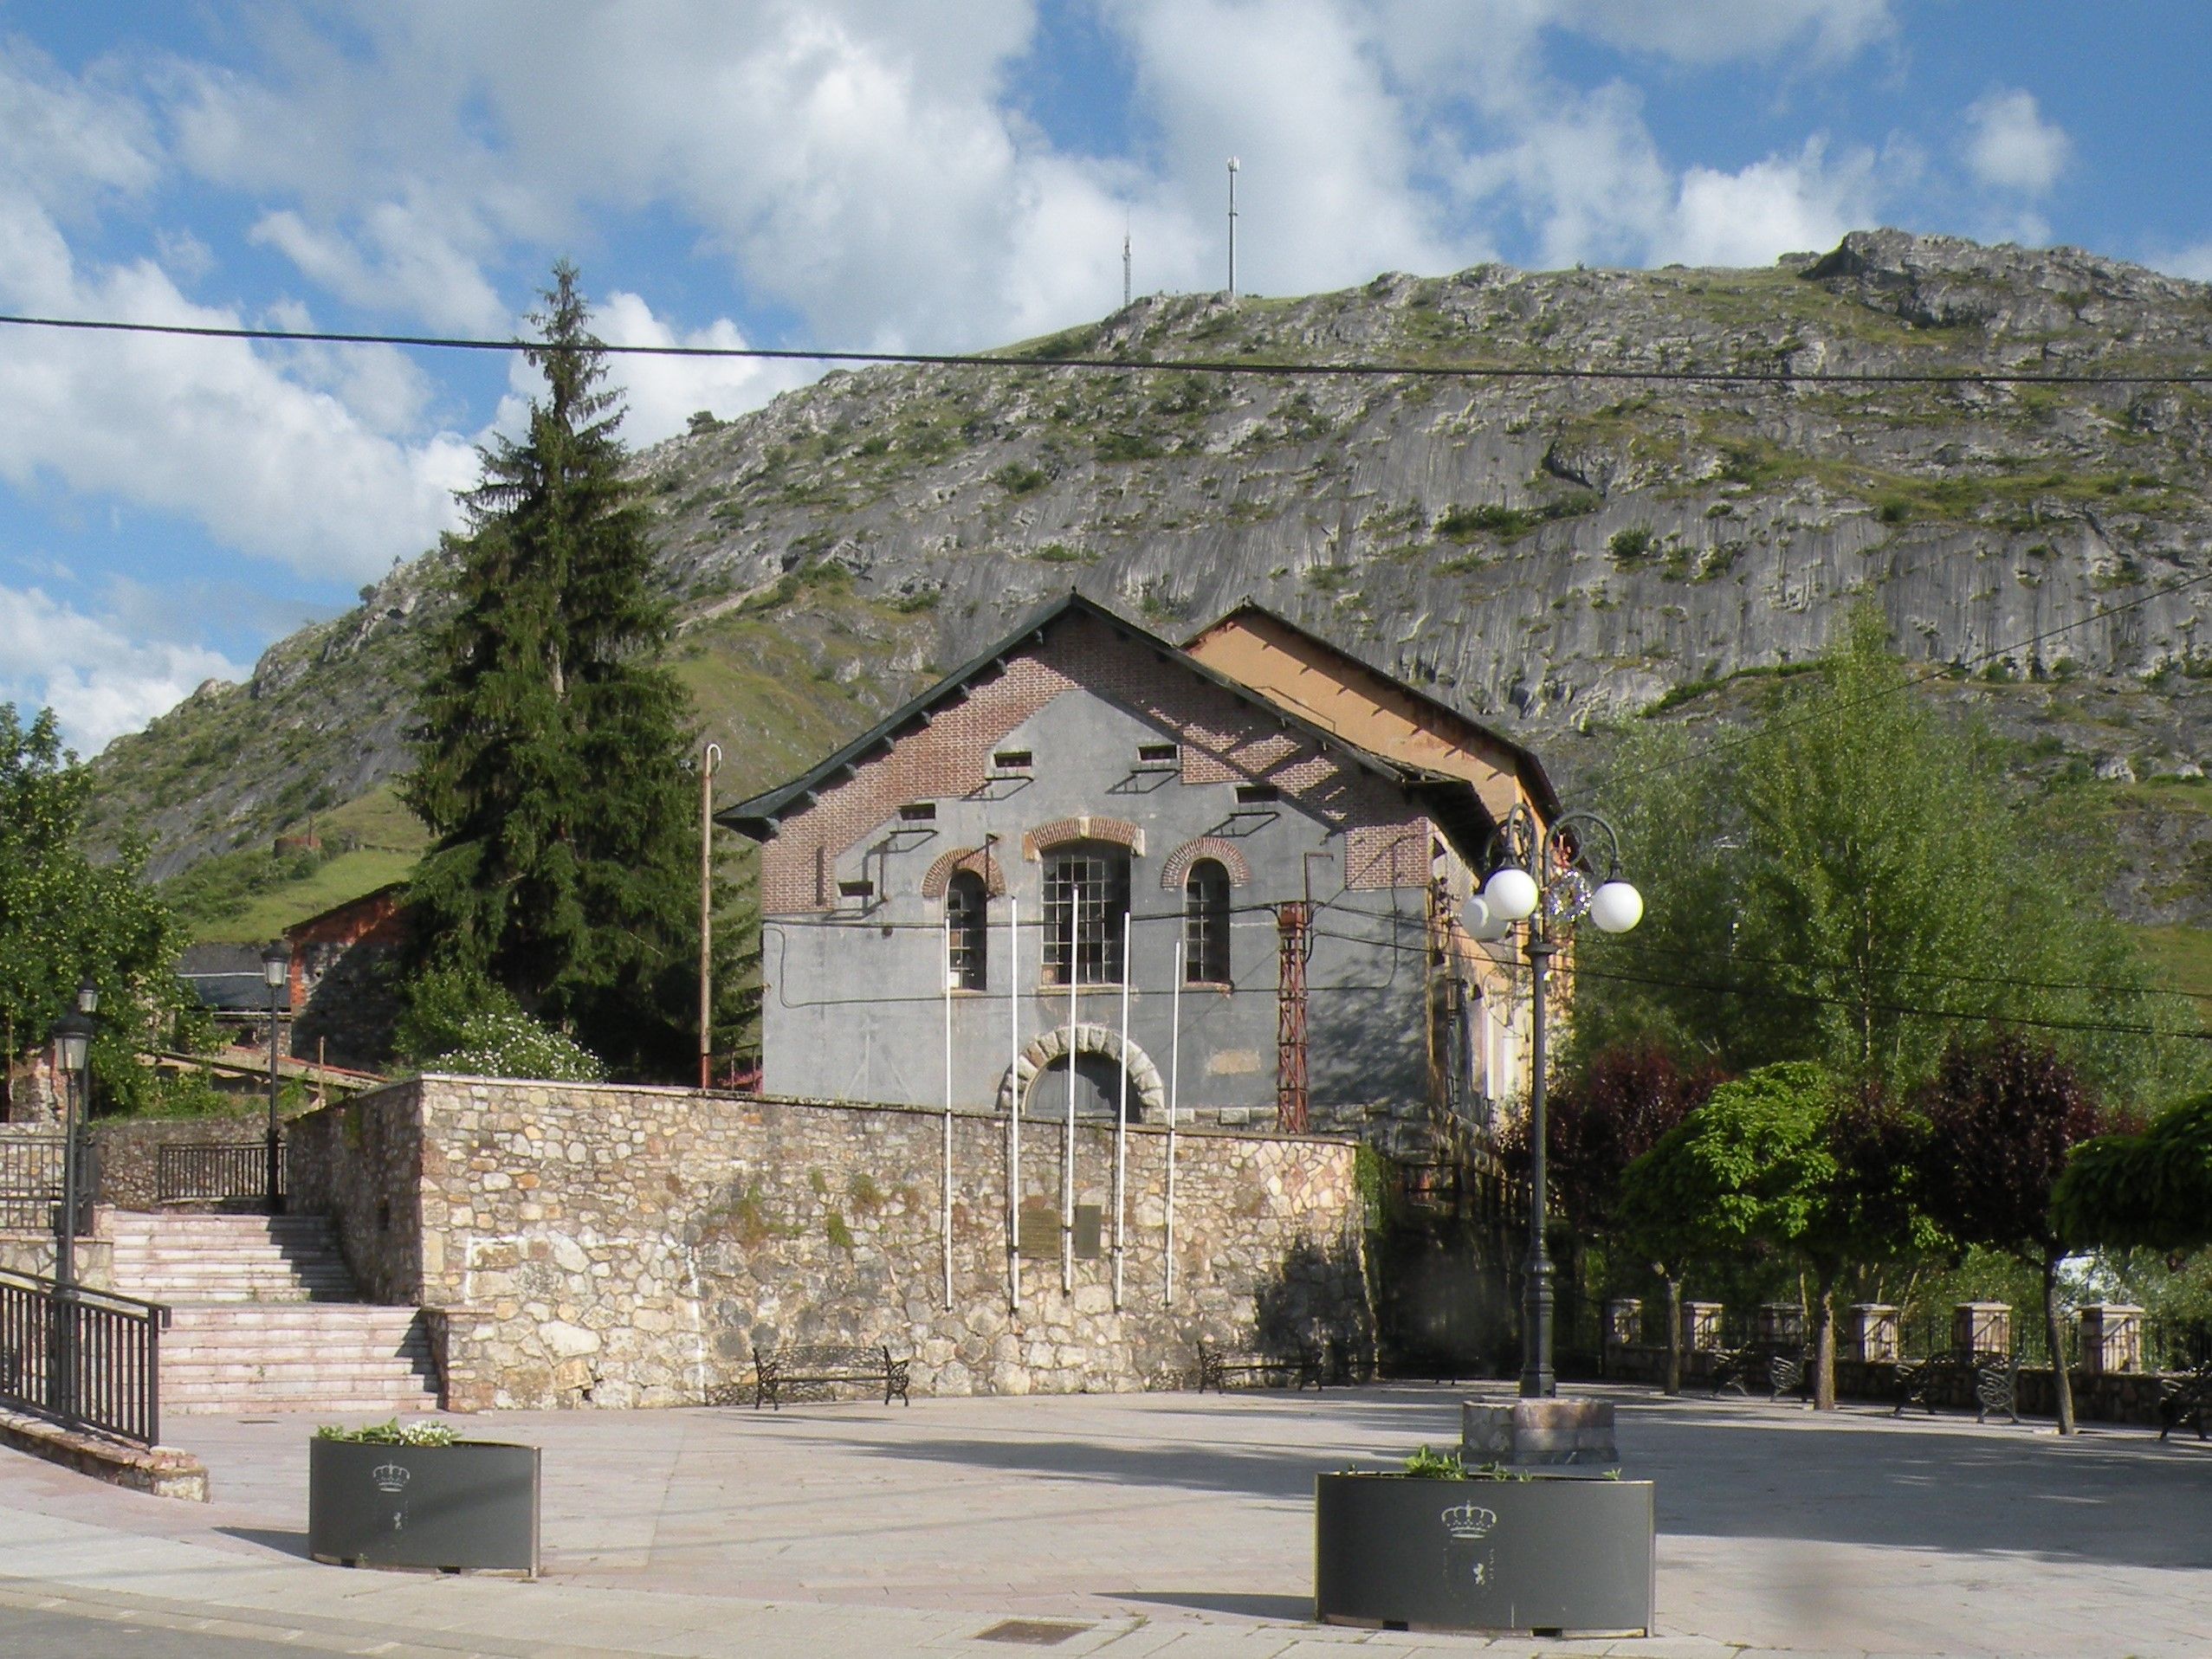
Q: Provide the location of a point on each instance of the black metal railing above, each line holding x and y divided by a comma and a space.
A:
218, 1173
84, 1359
30, 1183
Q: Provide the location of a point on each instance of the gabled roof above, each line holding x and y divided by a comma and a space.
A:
1525, 763
1452, 801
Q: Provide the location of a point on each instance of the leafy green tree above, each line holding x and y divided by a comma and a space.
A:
1851, 883
64, 919
2004, 1116
552, 745
1786, 1159
2151, 1190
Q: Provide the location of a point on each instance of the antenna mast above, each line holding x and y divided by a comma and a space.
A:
1125, 262
1233, 227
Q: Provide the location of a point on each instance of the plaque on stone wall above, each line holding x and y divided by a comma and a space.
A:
1040, 1238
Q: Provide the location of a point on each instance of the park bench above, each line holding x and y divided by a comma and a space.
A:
820, 1364
1778, 1369
1995, 1379
2183, 1398
1299, 1363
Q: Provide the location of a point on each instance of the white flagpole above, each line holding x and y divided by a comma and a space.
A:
946, 1207
1068, 1142
1122, 1118
1174, 1079
1014, 1103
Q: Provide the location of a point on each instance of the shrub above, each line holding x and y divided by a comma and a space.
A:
458, 1021
1632, 543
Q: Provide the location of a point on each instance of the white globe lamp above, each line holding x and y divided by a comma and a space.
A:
1510, 894
1482, 923
1615, 907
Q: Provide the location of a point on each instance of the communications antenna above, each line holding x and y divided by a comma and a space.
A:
1125, 261
1233, 227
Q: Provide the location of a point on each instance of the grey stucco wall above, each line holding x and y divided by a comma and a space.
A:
854, 1008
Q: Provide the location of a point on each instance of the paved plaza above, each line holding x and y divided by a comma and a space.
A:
1136, 1525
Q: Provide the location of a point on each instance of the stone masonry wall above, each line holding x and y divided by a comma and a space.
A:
127, 1149
361, 1165
617, 1246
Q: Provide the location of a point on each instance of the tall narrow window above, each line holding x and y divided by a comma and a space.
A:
1086, 894
1205, 924
968, 943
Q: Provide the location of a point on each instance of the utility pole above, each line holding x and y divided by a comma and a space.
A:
1233, 227
709, 759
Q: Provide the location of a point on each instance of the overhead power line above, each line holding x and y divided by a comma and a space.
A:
1359, 368
1917, 973
1775, 993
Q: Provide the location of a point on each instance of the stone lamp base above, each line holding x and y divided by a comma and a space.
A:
1538, 1433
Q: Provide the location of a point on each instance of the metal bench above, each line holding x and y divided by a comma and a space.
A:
1993, 1377
821, 1363
2185, 1399
1780, 1369
1300, 1363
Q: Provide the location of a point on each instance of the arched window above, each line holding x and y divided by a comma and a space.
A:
1086, 894
967, 932
1205, 924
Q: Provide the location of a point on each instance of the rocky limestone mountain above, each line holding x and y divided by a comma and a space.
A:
1552, 555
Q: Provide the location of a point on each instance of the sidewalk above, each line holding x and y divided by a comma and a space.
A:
1148, 1524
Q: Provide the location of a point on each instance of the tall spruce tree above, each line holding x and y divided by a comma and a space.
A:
552, 747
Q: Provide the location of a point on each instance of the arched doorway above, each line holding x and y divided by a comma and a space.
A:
1098, 1077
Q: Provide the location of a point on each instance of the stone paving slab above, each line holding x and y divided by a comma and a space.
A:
1166, 1525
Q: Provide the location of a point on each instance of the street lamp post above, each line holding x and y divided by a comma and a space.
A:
1547, 878
276, 972
72, 1058
72, 1053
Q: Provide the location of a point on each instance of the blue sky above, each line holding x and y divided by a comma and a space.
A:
884, 172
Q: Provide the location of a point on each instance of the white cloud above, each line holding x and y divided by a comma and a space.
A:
273, 463
1771, 207
1719, 31
2193, 263
662, 392
2010, 147
402, 259
101, 677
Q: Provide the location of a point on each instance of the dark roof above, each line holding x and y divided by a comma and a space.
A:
225, 976
1524, 760
1453, 801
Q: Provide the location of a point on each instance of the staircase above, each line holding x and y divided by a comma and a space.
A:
266, 1317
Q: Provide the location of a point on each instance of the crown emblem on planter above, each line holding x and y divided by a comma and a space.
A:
1469, 1521
390, 1477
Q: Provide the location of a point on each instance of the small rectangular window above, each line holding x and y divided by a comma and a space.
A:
1248, 794
1158, 754
862, 888
918, 812
1013, 760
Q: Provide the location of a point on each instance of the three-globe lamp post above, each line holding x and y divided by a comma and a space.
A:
276, 972
1545, 878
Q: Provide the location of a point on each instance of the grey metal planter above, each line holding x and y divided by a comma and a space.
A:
1554, 1553
471, 1506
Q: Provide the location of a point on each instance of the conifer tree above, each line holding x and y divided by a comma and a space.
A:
552, 747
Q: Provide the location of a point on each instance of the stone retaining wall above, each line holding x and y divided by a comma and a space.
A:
620, 1246
126, 1149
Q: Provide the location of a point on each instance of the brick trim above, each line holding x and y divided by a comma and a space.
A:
1177, 869
978, 859
1120, 831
